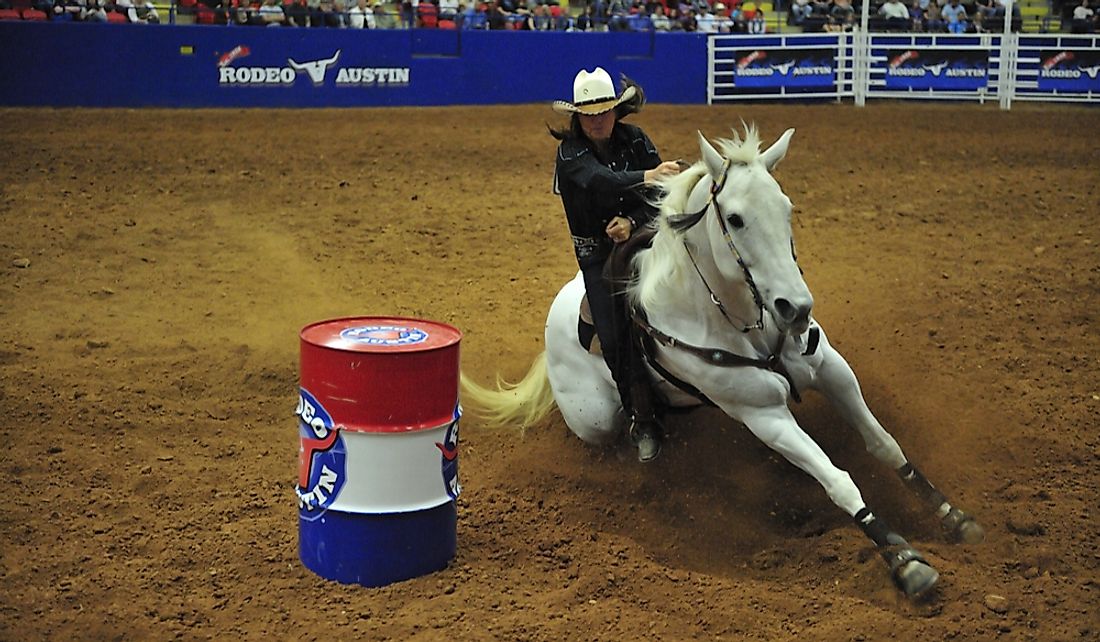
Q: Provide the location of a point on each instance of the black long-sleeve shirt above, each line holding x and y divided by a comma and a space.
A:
595, 191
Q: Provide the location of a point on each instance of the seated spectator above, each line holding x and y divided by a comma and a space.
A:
618, 12
270, 14
94, 11
687, 20
757, 23
63, 9
954, 14
496, 17
361, 16
896, 14
242, 16
660, 20
540, 18
297, 13
800, 10
585, 21
340, 10
842, 17
385, 18
1083, 18
324, 16
916, 16
933, 21
448, 9
705, 22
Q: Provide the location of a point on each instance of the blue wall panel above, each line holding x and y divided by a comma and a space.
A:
178, 66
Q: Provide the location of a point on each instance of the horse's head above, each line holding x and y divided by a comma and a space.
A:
749, 226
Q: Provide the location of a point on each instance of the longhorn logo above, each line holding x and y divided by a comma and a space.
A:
783, 68
315, 68
937, 68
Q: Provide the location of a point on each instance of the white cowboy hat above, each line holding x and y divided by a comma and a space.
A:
593, 93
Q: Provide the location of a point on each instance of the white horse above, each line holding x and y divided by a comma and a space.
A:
726, 318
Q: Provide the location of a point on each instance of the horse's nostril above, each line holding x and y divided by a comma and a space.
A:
785, 309
792, 313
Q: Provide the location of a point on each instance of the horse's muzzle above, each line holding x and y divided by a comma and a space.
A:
796, 317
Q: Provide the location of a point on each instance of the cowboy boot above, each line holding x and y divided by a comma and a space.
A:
645, 430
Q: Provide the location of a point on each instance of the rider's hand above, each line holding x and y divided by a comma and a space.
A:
664, 170
619, 229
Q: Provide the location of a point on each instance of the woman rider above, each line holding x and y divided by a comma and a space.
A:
602, 167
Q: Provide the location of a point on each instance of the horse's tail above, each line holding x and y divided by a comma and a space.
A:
517, 405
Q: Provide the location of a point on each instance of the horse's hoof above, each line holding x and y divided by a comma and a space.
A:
910, 572
970, 532
964, 527
916, 578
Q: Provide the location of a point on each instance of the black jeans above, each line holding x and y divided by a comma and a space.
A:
611, 321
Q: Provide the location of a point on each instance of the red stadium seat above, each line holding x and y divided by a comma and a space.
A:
116, 17
34, 14
204, 15
9, 14
447, 24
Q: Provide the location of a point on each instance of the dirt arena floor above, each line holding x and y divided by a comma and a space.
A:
157, 266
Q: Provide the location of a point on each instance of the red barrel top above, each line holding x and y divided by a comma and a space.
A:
382, 374
381, 334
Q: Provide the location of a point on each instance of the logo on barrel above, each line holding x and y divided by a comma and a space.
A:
384, 335
449, 449
322, 458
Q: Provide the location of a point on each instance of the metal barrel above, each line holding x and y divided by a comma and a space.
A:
378, 418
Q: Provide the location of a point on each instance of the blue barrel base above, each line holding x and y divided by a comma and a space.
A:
378, 549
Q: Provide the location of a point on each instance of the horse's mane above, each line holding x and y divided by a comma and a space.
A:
664, 265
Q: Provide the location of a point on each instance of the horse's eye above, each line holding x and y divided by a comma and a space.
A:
736, 221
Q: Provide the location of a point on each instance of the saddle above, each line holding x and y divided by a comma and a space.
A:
618, 273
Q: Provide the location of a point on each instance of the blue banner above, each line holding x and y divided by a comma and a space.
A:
779, 67
1069, 70
943, 69
208, 66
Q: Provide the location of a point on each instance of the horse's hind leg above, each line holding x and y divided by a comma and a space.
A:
777, 428
837, 382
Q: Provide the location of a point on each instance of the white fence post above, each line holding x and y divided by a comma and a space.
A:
1007, 73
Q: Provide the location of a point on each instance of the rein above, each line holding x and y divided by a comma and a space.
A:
715, 356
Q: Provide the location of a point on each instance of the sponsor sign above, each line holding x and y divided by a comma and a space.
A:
753, 68
916, 68
1069, 70
238, 68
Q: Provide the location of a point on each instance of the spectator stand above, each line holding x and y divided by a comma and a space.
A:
1030, 16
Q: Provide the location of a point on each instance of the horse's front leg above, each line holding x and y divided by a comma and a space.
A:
777, 428
838, 383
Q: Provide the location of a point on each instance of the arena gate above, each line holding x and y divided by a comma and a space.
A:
858, 65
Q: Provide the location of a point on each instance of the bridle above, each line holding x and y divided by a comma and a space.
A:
718, 356
716, 188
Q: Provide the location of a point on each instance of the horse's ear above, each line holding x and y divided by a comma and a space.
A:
711, 158
777, 151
